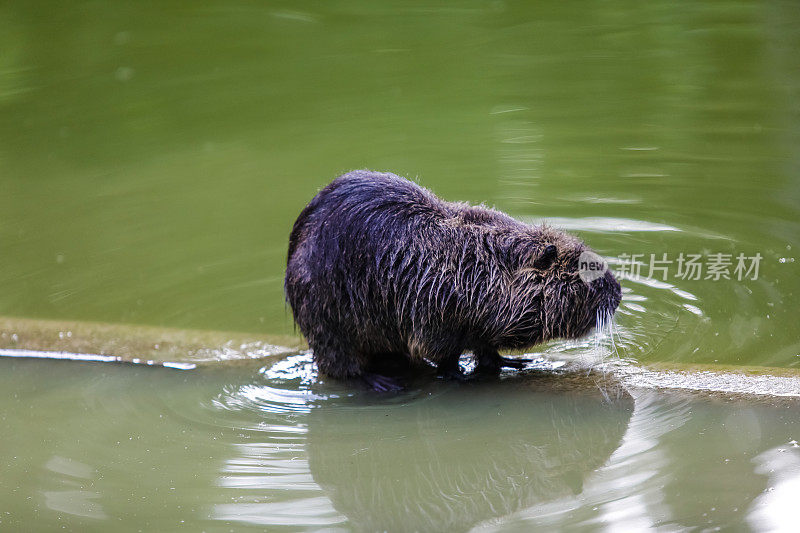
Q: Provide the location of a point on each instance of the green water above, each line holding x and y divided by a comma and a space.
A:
94, 447
153, 157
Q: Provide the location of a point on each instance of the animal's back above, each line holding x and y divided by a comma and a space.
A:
360, 199
358, 205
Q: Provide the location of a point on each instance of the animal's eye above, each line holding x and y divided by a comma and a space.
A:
547, 257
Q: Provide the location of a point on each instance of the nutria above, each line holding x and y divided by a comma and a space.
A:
379, 269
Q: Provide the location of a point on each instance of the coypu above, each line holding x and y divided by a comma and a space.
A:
380, 271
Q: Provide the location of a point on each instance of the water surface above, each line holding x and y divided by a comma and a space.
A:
88, 446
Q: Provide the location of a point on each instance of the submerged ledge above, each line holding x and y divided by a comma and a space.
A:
189, 349
726, 382
134, 344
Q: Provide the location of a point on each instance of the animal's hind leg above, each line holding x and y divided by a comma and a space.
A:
386, 371
391, 364
336, 361
342, 363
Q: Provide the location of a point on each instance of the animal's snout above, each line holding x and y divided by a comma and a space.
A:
608, 290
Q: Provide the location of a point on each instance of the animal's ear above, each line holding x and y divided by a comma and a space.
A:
546, 258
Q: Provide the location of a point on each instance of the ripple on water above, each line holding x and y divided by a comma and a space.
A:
603, 224
286, 388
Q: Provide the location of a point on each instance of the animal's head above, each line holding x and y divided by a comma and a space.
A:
559, 287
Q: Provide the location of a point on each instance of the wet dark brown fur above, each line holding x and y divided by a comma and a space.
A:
381, 269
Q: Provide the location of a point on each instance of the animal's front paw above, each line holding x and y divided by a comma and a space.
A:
516, 363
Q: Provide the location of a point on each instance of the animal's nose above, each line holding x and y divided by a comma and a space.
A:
610, 285
607, 283
610, 279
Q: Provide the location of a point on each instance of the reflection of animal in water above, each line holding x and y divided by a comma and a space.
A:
449, 460
380, 269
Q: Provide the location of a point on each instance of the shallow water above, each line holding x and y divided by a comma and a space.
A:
93, 446
152, 161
